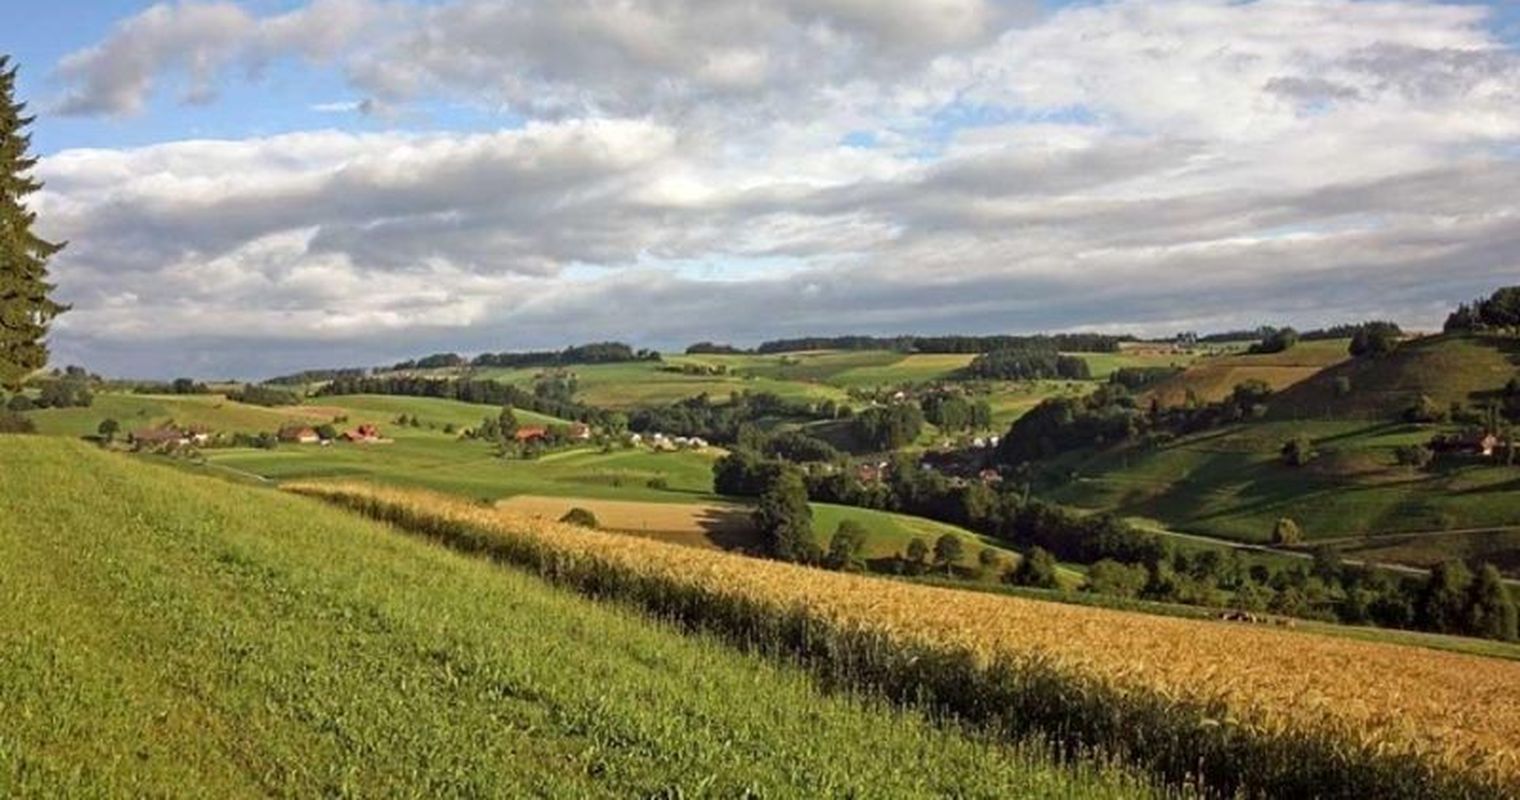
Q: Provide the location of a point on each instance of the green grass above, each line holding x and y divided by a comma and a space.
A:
135, 411
1214, 377
1465, 369
1103, 365
1231, 483
167, 635
382, 409
622, 386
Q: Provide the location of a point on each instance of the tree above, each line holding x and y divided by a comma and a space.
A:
988, 560
506, 423
1121, 580
1298, 451
948, 549
784, 518
26, 310
1286, 532
845, 547
12, 422
1425, 410
1443, 602
580, 517
108, 429
1491, 612
917, 556
1375, 339
1037, 568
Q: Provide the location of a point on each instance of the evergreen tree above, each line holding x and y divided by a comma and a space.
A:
25, 308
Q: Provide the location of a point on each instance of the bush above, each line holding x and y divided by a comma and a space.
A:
1037, 569
1286, 532
1413, 455
1276, 341
11, 422
1298, 451
581, 517
845, 547
20, 403
1425, 411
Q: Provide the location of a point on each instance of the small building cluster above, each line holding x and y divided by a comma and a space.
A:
661, 442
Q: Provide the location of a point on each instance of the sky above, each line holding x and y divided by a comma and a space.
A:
251, 188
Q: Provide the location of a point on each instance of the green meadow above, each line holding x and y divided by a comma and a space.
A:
164, 634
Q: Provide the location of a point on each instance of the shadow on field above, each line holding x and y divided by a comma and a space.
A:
728, 528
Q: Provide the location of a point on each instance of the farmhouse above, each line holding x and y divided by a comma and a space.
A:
365, 433
299, 434
580, 431
532, 433
158, 437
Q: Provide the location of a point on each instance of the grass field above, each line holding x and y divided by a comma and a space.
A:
1231, 483
165, 635
135, 411
1136, 355
1241, 708
622, 386
1213, 378
1447, 369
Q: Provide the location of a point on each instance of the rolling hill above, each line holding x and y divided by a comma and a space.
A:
1449, 368
1213, 378
166, 635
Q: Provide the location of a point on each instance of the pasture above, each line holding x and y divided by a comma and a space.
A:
1232, 483
166, 635
1213, 378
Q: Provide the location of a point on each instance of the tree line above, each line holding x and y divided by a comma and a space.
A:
1030, 362
594, 353
479, 392
1069, 342
1125, 561
1499, 312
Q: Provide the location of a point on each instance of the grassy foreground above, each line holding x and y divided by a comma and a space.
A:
1238, 709
162, 634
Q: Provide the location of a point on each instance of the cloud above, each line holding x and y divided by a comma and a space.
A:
1148, 166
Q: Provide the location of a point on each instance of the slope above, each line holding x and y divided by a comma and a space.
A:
168, 635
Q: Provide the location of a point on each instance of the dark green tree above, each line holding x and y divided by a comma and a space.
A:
845, 547
948, 549
108, 429
25, 306
784, 518
1037, 568
917, 556
1491, 611
1443, 603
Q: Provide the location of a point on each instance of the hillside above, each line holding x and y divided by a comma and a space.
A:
1213, 378
165, 635
1448, 369
1231, 483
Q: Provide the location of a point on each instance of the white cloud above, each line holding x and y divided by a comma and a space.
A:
1129, 163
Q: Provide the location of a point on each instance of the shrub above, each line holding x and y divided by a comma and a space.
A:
1286, 532
11, 422
1413, 455
1424, 411
1298, 451
1037, 569
845, 547
948, 550
581, 517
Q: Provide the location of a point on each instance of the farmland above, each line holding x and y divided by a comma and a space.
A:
1242, 707
170, 635
1212, 378
728, 526
1232, 483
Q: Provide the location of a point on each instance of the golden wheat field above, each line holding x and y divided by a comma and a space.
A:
1456, 710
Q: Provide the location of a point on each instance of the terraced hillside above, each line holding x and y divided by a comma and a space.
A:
165, 635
